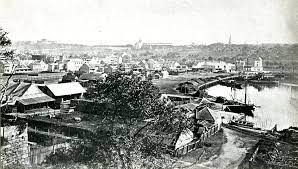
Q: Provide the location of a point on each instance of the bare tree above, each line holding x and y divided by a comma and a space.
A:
5, 42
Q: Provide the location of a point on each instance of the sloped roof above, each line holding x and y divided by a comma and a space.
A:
11, 87
205, 114
185, 137
35, 100
189, 106
91, 66
62, 89
91, 76
26, 93
205, 101
205, 123
17, 89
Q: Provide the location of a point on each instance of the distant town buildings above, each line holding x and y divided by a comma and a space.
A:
88, 68
73, 64
38, 66
215, 66
257, 65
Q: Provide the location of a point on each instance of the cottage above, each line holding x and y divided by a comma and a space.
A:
55, 67
26, 96
110, 68
38, 66
172, 65
192, 108
153, 65
17, 68
64, 91
73, 64
171, 140
206, 114
88, 68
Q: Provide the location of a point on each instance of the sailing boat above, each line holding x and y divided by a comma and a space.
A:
245, 108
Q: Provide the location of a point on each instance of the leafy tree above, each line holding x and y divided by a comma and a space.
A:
133, 121
4, 43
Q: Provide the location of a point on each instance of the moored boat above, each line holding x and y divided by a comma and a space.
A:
263, 81
231, 83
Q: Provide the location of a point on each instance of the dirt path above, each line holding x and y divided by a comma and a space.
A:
231, 153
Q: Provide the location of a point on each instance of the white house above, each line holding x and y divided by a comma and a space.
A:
73, 64
170, 64
88, 68
95, 61
10, 68
258, 66
38, 66
55, 67
215, 65
115, 58
153, 65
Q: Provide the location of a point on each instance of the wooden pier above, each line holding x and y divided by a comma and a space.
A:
215, 82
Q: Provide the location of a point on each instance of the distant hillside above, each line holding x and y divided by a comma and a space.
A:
52, 47
217, 51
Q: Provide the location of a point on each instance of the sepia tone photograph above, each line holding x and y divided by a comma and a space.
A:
148, 84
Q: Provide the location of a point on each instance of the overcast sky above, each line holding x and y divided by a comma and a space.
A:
176, 21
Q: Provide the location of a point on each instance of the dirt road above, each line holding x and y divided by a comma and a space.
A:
231, 153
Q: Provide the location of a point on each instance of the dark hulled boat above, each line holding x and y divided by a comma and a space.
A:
247, 109
231, 83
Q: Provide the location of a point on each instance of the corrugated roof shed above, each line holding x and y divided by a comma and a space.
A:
26, 94
35, 100
63, 89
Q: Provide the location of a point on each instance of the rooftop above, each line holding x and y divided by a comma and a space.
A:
62, 89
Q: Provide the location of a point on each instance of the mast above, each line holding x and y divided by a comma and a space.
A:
245, 94
245, 83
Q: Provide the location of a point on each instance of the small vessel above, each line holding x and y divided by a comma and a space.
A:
238, 107
231, 83
247, 130
247, 109
242, 123
264, 81
263, 78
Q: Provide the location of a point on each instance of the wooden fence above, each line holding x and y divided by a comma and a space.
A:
194, 145
38, 155
40, 112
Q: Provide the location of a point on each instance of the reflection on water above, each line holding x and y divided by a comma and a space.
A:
278, 104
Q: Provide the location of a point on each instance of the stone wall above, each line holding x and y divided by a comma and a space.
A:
15, 149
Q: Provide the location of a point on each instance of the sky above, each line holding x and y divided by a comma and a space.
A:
94, 22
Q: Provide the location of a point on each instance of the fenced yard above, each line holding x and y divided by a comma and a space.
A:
196, 144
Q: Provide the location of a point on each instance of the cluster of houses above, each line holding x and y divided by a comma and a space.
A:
221, 66
23, 97
207, 117
118, 60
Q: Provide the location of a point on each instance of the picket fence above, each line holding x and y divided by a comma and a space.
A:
194, 145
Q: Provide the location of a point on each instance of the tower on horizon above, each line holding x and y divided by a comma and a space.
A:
230, 40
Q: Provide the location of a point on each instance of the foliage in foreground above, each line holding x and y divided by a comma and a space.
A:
136, 128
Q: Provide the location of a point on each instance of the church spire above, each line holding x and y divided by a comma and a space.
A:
230, 40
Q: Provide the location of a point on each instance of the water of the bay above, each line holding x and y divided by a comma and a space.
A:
276, 104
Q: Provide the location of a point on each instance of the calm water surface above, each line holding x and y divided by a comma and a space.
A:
276, 104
